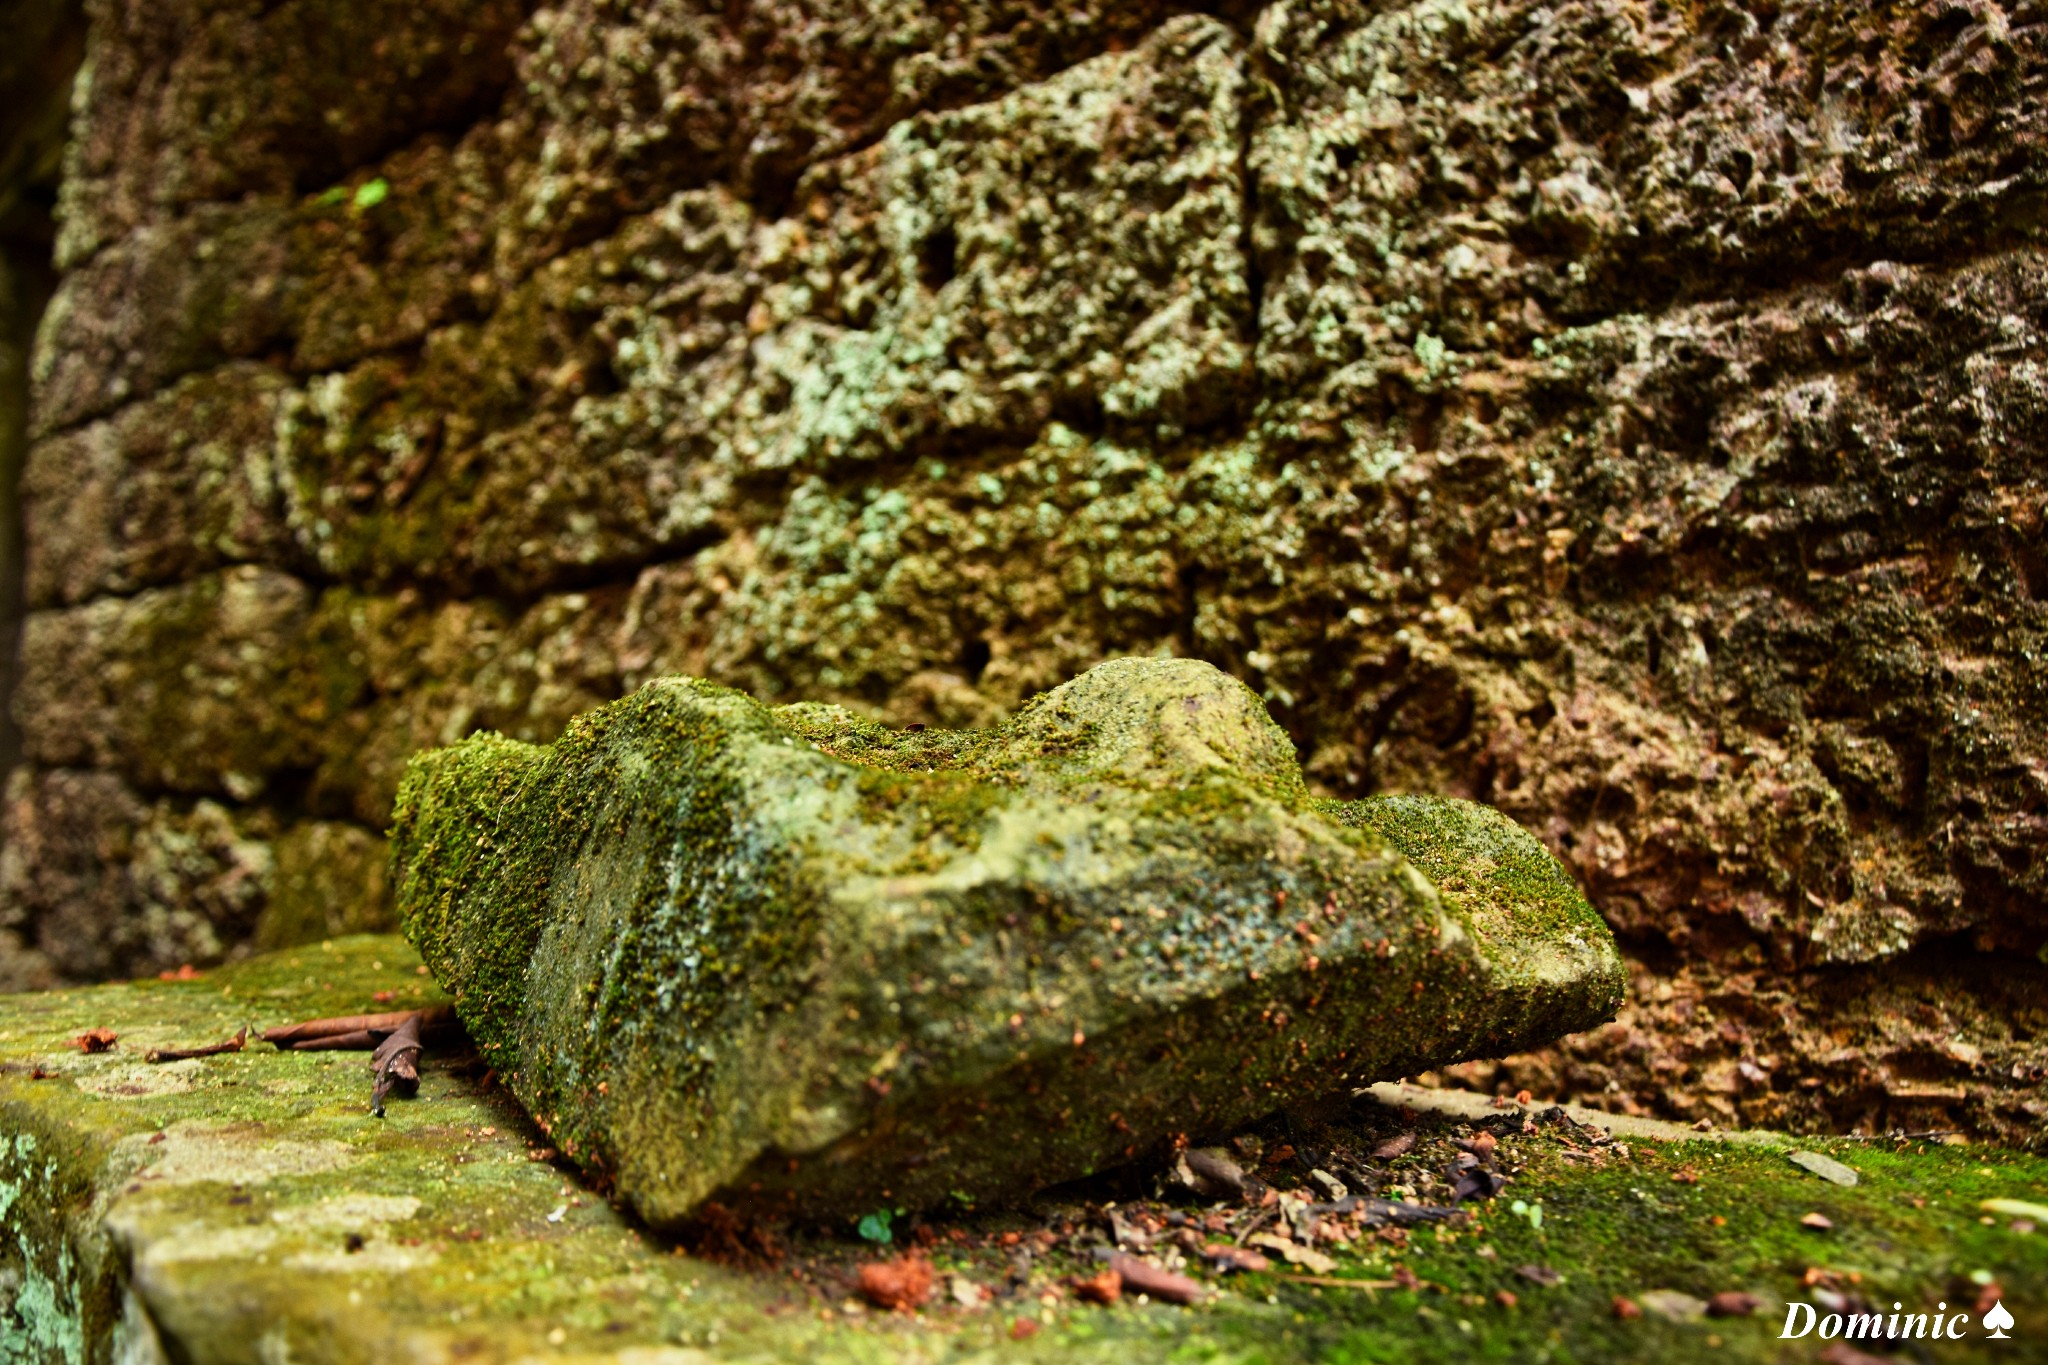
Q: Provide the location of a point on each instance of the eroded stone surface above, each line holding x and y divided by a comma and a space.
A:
195, 239
203, 103
246, 1207
779, 960
101, 881
1622, 417
159, 492
239, 1209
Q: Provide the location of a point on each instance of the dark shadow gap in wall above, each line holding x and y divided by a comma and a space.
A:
36, 71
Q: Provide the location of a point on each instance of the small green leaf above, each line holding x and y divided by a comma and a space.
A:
874, 1227
371, 193
329, 198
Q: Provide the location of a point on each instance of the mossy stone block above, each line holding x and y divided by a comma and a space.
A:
794, 963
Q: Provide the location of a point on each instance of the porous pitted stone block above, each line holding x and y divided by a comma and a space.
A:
789, 961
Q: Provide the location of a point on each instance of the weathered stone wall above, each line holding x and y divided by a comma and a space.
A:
45, 43
1628, 415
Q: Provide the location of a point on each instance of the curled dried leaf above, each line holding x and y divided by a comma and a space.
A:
397, 1064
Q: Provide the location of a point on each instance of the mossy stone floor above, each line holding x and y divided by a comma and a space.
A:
247, 1208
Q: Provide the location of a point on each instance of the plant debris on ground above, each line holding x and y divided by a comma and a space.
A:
186, 1054
1291, 1202
1378, 1207
393, 1039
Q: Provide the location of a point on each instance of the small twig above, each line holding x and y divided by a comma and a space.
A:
1897, 1137
1259, 1220
393, 1041
182, 1054
1332, 1282
1142, 1277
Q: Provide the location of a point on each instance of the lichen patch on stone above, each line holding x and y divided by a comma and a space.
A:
230, 1154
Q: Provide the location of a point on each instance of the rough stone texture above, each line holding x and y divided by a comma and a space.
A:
195, 103
246, 1208
180, 483
101, 882
779, 960
1626, 416
45, 43
607, 117
242, 1208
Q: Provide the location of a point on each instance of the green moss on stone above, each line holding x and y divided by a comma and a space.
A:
226, 1194
787, 959
1510, 892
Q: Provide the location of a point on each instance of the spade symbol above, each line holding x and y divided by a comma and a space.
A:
1998, 1320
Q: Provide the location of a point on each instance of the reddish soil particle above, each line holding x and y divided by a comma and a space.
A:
1104, 1288
96, 1040
899, 1285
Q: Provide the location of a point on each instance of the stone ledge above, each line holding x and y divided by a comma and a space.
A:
247, 1208
204, 1212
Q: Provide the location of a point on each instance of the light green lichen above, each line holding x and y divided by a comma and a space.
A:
52, 1300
